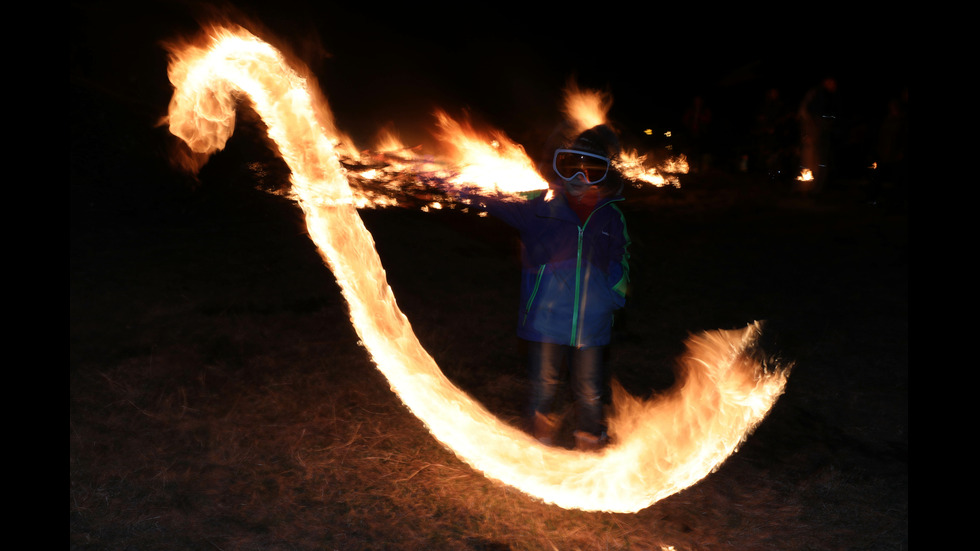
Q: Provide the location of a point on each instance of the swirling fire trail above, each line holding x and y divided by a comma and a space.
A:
659, 446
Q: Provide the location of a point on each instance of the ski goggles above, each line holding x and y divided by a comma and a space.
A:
569, 163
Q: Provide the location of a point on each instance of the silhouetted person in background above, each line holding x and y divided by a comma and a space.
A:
697, 122
817, 116
892, 154
774, 127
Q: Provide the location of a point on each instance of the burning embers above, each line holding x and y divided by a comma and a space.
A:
659, 446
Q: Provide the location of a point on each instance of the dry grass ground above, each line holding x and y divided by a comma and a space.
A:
218, 398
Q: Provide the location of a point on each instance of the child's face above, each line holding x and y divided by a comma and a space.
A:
577, 186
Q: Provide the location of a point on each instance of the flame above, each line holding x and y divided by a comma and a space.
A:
659, 446
491, 163
806, 175
676, 165
585, 109
633, 166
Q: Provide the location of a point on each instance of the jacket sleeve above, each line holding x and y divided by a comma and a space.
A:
619, 269
513, 211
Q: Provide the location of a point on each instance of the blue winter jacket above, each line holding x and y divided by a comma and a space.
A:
574, 275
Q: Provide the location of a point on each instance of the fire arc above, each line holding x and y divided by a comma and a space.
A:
660, 446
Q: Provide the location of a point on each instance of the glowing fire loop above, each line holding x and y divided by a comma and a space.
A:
659, 446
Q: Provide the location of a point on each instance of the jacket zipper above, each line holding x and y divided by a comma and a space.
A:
578, 282
534, 293
573, 340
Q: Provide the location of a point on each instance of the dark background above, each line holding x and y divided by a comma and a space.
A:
395, 65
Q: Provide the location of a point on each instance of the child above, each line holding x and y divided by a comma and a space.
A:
574, 276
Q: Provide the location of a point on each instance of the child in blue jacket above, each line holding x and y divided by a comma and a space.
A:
574, 276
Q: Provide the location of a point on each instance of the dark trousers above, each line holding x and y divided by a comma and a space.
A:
585, 367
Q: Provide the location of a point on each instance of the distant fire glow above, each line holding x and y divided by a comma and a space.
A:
660, 446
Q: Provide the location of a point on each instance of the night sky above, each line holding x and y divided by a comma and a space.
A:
394, 66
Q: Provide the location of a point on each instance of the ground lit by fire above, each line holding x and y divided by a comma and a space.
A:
659, 446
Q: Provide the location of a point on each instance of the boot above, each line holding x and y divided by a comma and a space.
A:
544, 428
585, 442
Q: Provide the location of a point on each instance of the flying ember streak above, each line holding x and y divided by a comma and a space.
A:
659, 446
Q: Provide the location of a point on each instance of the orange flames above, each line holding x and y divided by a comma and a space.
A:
633, 165
659, 446
492, 164
585, 108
